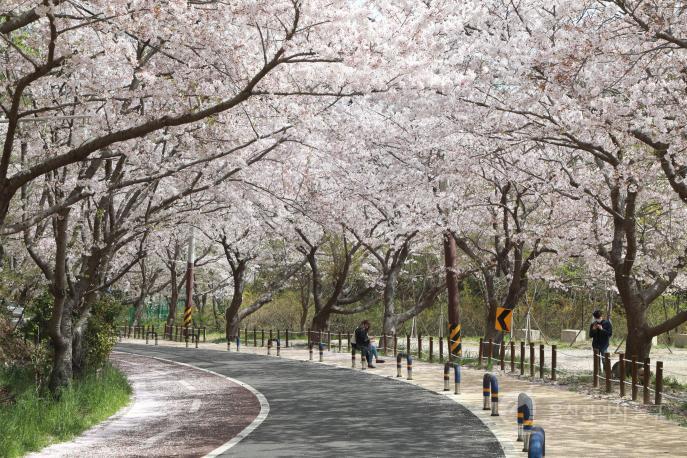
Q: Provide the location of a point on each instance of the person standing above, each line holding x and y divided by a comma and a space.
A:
600, 331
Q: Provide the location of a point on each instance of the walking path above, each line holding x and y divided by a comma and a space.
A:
574, 423
176, 411
316, 410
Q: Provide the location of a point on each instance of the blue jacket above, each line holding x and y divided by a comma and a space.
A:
601, 337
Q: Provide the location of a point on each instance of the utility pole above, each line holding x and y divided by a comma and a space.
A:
188, 309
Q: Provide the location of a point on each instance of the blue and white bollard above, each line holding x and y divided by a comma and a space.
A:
447, 371
486, 391
456, 378
527, 421
494, 385
537, 443
409, 364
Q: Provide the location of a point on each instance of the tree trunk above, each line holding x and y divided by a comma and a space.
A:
79, 350
320, 322
172, 312
61, 336
233, 328
390, 320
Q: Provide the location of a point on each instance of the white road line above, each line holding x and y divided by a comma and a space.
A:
264, 405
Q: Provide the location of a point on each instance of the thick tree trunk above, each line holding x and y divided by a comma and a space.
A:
320, 322
79, 365
233, 328
172, 312
390, 320
61, 337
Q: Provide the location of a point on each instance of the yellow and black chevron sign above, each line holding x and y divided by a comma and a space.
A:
454, 339
188, 314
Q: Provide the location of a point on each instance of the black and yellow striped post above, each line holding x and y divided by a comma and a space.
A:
455, 343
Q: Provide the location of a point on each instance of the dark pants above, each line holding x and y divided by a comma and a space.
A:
367, 353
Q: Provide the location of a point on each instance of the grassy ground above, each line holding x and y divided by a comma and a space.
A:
31, 421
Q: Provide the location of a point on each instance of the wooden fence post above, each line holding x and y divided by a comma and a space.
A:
645, 380
431, 349
490, 351
522, 357
659, 382
621, 371
634, 377
441, 349
502, 355
481, 349
595, 374
541, 361
512, 356
532, 360
419, 346
607, 371
553, 363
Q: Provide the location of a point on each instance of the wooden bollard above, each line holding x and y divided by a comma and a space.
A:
419, 346
348, 345
431, 349
502, 355
408, 343
532, 361
595, 373
262, 337
278, 335
339, 342
286, 335
522, 357
541, 362
621, 371
553, 363
245, 334
204, 335
645, 380
395, 345
271, 337
441, 349
659, 383
607, 371
635, 374
479, 353
309, 340
255, 337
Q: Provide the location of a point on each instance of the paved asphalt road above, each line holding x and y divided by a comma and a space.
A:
318, 410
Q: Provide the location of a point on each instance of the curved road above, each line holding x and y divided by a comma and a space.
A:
319, 410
